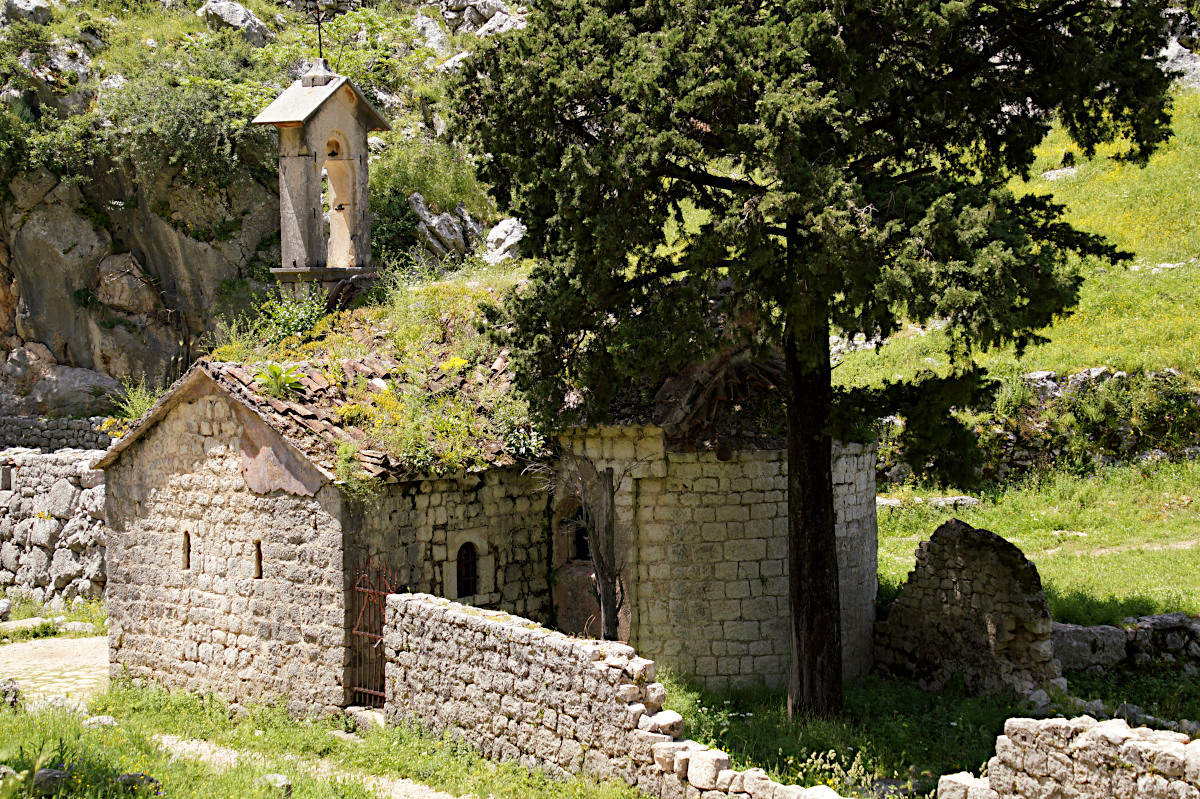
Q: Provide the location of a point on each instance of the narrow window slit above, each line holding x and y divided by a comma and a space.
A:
258, 560
187, 550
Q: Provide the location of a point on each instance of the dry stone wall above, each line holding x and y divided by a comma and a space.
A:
1170, 637
1083, 758
214, 588
52, 539
516, 691
707, 553
53, 434
973, 604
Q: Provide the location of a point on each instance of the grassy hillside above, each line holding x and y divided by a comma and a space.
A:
1142, 316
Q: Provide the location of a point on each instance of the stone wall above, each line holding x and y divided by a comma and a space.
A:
213, 587
418, 528
1170, 637
973, 604
706, 547
1082, 758
516, 691
53, 434
52, 540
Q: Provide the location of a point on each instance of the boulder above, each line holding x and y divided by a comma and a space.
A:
500, 23
227, 14
1079, 648
5, 609
432, 35
10, 693
124, 285
504, 240
28, 188
39, 12
71, 391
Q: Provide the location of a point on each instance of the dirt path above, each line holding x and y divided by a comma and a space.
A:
222, 757
76, 667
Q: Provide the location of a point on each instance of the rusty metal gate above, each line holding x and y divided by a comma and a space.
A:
372, 583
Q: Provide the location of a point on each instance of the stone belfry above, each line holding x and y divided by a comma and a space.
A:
324, 215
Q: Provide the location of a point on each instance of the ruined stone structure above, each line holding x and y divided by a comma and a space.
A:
1082, 758
325, 224
516, 691
972, 605
1170, 637
235, 556
52, 538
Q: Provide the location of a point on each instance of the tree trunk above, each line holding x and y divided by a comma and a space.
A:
604, 556
815, 687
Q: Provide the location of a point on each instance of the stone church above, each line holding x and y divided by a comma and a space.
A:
239, 562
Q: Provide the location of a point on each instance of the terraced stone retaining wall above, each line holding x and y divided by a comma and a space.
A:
516, 691
53, 434
1083, 758
1170, 637
52, 539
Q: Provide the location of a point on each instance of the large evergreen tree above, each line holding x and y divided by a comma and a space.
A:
841, 165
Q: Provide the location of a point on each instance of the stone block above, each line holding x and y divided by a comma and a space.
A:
704, 767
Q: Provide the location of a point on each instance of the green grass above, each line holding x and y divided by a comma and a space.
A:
1158, 689
890, 729
97, 757
93, 612
1125, 541
1128, 318
396, 753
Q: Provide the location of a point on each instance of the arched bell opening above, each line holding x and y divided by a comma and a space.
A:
340, 205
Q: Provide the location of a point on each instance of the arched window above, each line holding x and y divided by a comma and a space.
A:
582, 549
468, 570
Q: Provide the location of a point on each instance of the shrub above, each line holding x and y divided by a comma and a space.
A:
285, 317
436, 169
190, 110
139, 398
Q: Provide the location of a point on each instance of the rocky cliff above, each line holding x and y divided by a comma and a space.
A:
118, 278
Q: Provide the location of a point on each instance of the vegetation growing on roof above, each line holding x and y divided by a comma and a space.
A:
435, 397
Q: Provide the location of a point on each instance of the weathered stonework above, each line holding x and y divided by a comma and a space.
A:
217, 587
53, 434
516, 691
705, 541
52, 539
972, 605
186, 607
1082, 758
1170, 637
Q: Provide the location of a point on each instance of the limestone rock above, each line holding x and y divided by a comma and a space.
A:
98, 721
28, 188
62, 499
227, 14
72, 391
65, 567
432, 35
10, 693
138, 779
504, 240
49, 781
277, 784
1078, 648
5, 609
39, 12
125, 286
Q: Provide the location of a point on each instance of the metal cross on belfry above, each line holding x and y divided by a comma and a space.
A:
320, 12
